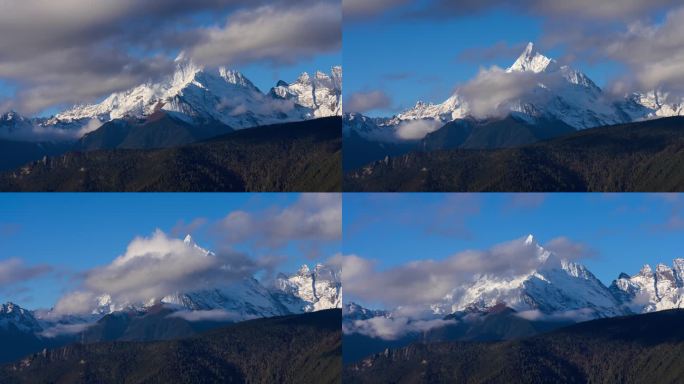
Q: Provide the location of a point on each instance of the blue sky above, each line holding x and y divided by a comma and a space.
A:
621, 231
414, 56
73, 233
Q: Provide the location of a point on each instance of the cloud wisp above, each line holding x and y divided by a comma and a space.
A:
362, 102
14, 271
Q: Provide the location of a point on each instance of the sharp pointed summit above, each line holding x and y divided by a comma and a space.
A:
531, 61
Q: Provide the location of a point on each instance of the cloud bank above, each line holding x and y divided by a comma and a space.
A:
312, 221
395, 327
428, 280
76, 51
154, 267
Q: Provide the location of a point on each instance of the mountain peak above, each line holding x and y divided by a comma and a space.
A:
646, 270
304, 78
9, 307
188, 239
304, 270
531, 61
529, 240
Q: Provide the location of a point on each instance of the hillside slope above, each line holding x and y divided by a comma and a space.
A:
304, 156
646, 157
636, 349
292, 349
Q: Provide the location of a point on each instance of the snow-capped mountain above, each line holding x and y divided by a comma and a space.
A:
556, 285
544, 91
652, 290
14, 316
199, 95
319, 289
322, 93
214, 94
12, 123
305, 291
556, 288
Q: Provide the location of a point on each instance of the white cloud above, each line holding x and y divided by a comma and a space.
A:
493, 91
395, 327
65, 330
154, 267
416, 129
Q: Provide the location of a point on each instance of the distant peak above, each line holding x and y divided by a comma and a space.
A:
304, 270
181, 57
304, 77
9, 307
531, 61
624, 276
188, 239
646, 270
529, 48
529, 240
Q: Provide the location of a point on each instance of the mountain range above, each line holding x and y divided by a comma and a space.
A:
176, 315
637, 157
544, 100
293, 157
196, 95
555, 293
191, 105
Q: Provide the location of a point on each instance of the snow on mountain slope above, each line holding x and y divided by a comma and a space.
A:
650, 290
556, 288
322, 93
13, 124
305, 291
319, 289
557, 285
13, 315
196, 95
541, 89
